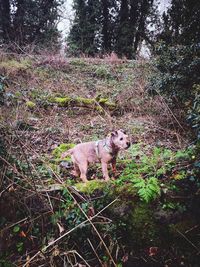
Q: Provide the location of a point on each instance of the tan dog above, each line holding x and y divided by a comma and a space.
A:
104, 151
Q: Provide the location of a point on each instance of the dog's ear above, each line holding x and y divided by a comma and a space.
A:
114, 133
123, 131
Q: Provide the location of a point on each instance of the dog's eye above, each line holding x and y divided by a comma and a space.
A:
121, 139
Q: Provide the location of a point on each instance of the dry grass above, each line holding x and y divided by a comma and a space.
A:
125, 85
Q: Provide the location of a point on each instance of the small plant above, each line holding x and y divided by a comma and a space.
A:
102, 72
30, 104
64, 208
148, 189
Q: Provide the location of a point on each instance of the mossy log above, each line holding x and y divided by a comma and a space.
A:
92, 103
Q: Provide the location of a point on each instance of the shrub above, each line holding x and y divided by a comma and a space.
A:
178, 68
177, 77
194, 113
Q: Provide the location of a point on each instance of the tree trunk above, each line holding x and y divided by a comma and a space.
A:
6, 21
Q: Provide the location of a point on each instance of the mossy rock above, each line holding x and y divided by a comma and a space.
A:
91, 186
30, 104
125, 191
57, 152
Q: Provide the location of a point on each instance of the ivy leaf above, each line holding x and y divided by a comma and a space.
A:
16, 229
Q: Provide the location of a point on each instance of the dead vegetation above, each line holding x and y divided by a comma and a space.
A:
55, 80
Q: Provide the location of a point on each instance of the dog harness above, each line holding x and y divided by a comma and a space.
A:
105, 146
97, 148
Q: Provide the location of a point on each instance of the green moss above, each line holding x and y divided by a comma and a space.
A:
102, 100
12, 65
78, 62
57, 152
102, 72
107, 103
18, 94
62, 101
125, 191
99, 109
143, 229
55, 167
91, 186
30, 104
85, 101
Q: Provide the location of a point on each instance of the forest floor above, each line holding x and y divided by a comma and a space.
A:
49, 101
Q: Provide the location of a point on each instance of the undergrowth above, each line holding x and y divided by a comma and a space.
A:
46, 213
147, 170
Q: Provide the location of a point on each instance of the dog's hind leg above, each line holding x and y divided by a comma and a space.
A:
76, 172
83, 169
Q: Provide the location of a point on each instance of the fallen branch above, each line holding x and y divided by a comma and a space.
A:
98, 104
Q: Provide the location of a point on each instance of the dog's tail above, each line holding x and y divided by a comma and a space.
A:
67, 153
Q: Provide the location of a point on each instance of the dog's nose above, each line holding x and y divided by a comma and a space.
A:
128, 144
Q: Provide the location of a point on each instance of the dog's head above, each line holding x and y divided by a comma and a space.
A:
120, 139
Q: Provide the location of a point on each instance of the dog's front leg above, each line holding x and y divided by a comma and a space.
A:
104, 166
113, 164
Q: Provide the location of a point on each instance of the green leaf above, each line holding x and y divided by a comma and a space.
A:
16, 229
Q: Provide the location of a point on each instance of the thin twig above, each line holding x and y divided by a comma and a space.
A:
185, 237
10, 226
68, 232
1, 193
75, 252
170, 110
94, 251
